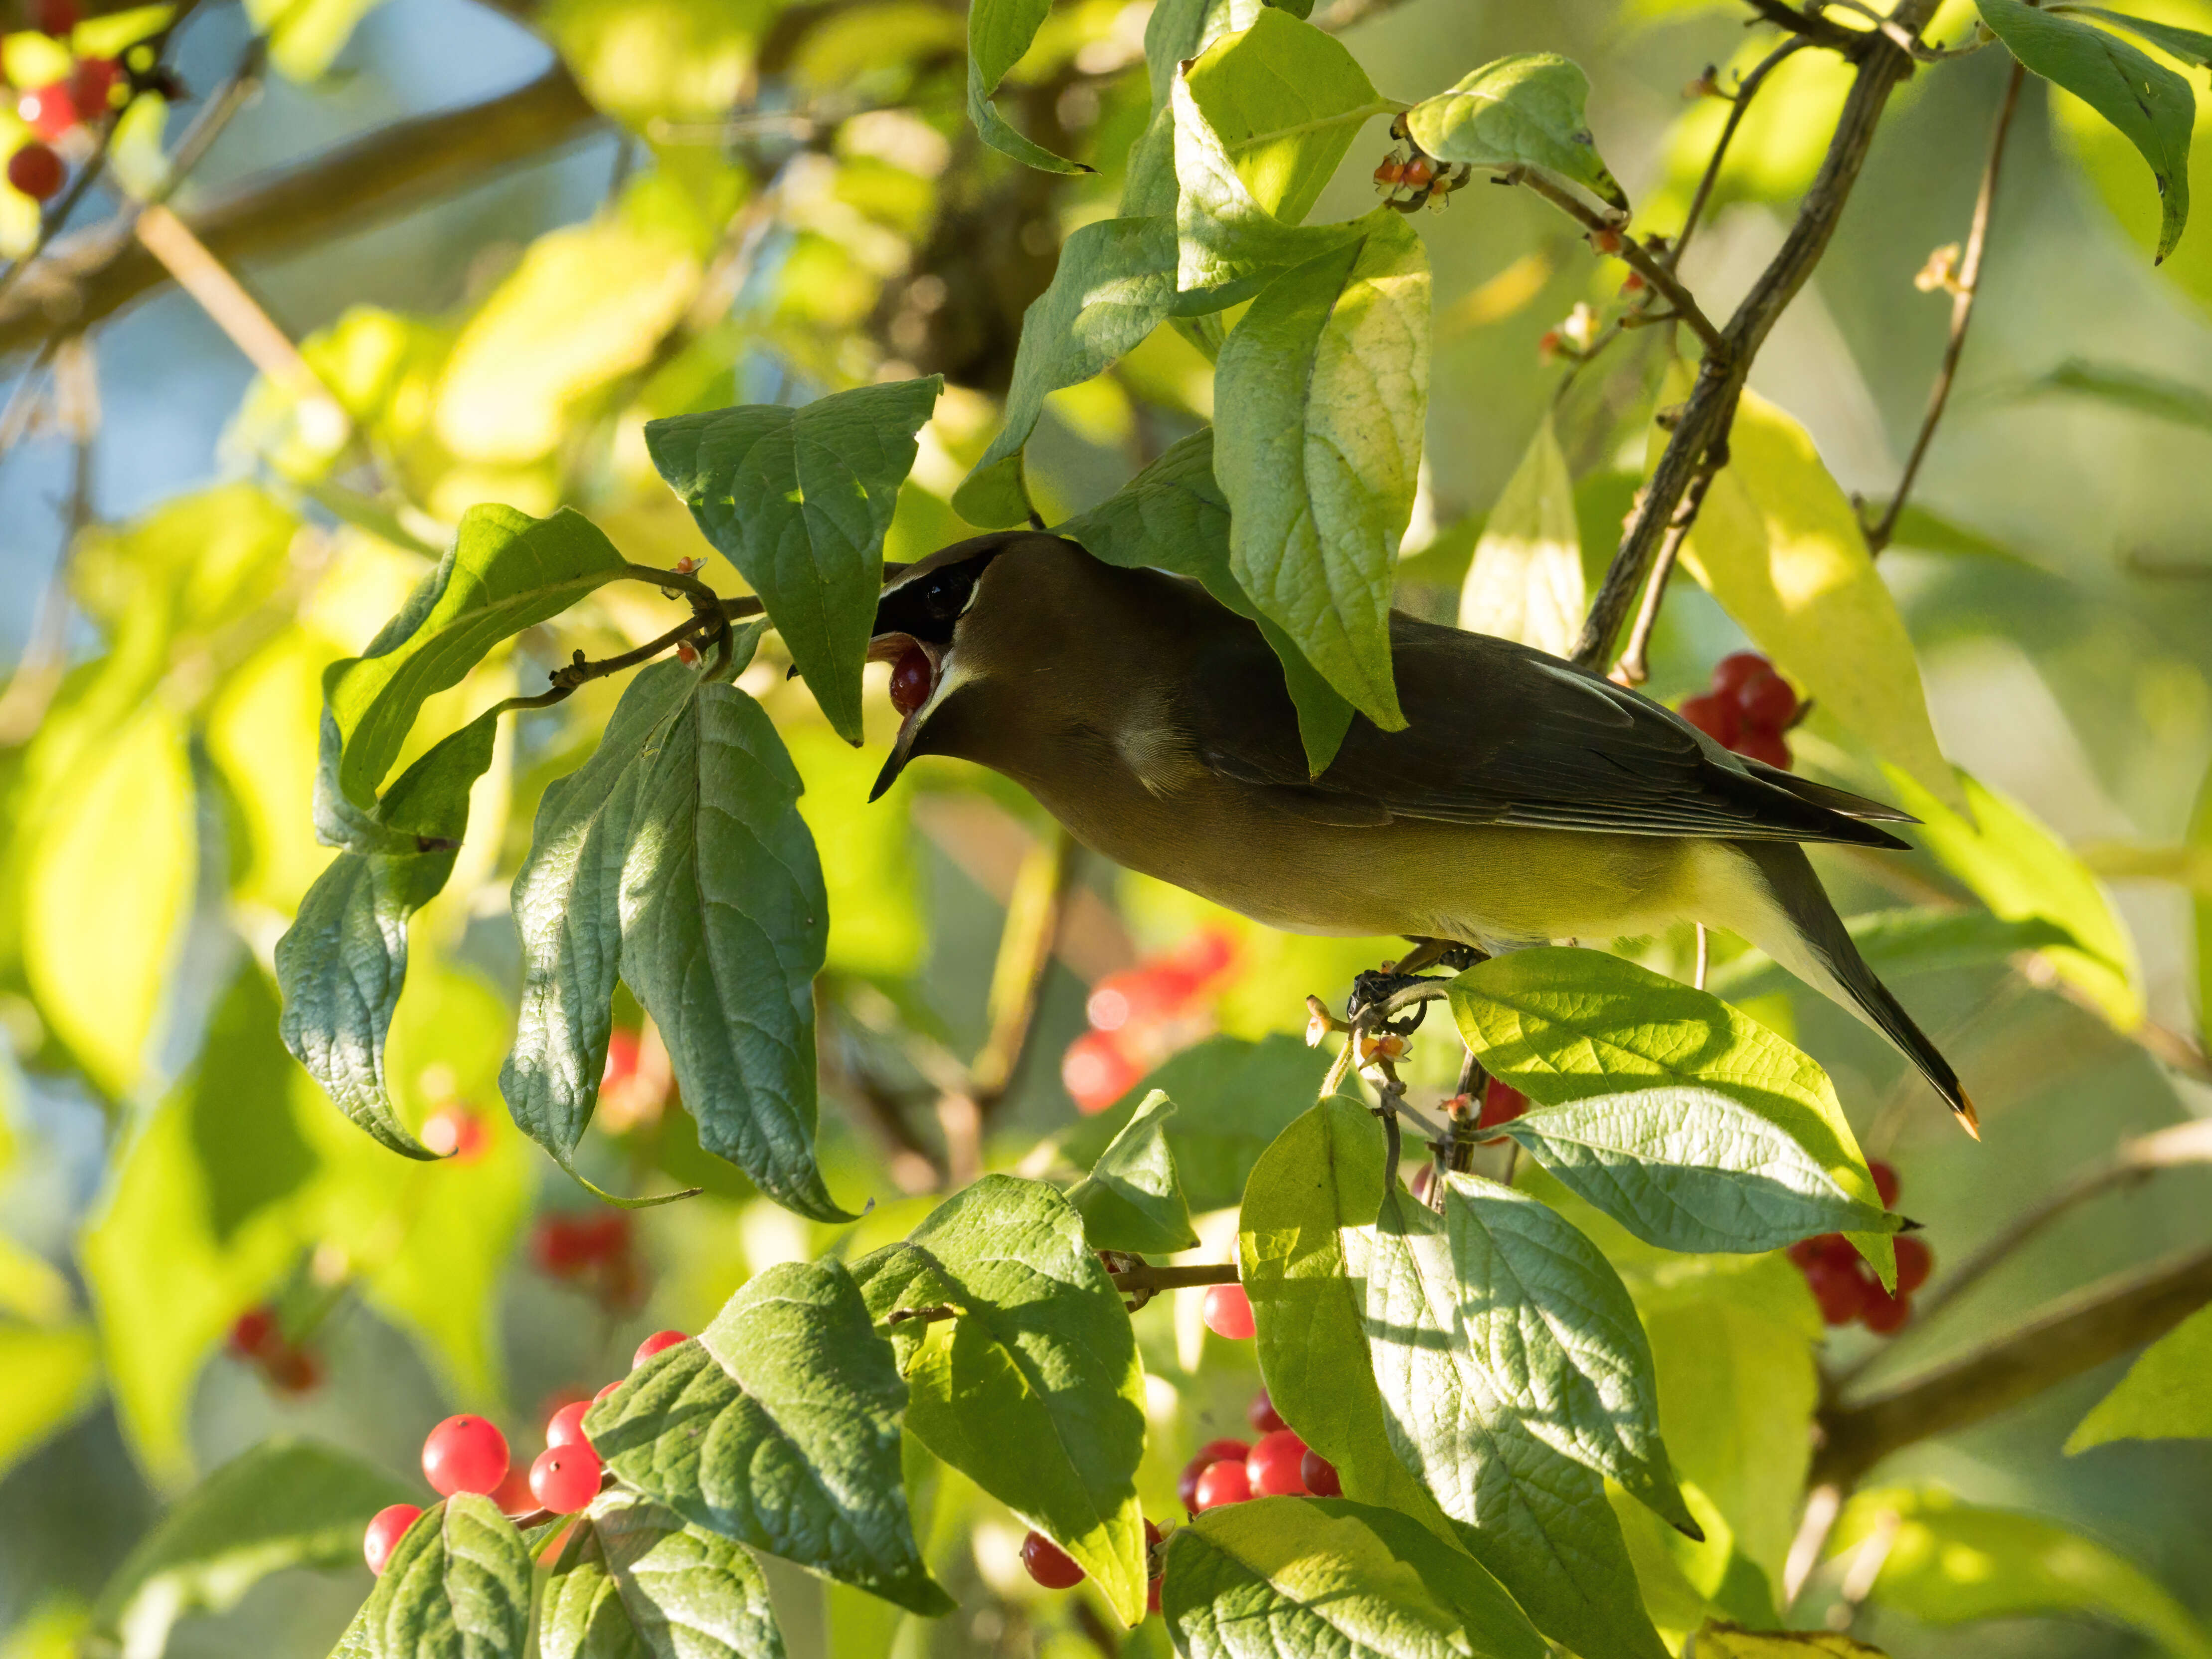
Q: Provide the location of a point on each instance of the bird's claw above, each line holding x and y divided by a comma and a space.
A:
1371, 989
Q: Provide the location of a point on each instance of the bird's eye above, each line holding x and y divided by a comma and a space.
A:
948, 594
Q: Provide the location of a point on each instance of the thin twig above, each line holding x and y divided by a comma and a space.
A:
1815, 31
1963, 291
1629, 249
232, 96
1025, 952
1144, 1282
38, 672
1740, 104
1634, 666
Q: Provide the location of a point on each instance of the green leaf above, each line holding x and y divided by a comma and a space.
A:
998, 32
458, 1587
582, 1615
1173, 516
2166, 1396
1719, 1640
2017, 867
1321, 1576
1779, 543
1925, 531
1525, 581
777, 1426
798, 499
1320, 395
2200, 906
49, 1375
1693, 1170
1522, 110
2139, 95
1034, 1392
283, 1504
1564, 1026
1132, 1199
1115, 283
1304, 1235
1287, 100
686, 1594
1921, 941
343, 962
504, 572
306, 35
1485, 1405
2191, 46
1947, 1563
2183, 402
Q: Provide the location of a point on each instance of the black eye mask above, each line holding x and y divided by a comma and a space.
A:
927, 607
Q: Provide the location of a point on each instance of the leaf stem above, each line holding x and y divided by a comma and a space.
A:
1639, 256
1746, 89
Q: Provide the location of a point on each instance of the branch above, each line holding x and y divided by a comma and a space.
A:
1712, 407
1815, 31
96, 273
2079, 1335
1633, 669
1661, 278
1034, 915
1963, 290
1740, 100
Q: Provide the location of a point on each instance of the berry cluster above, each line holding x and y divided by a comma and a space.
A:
1408, 179
1052, 1566
257, 1338
469, 1454
1748, 709
1846, 1288
57, 112
1138, 1018
597, 1253
1276, 1463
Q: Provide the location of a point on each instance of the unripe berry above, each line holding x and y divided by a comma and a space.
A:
37, 171
566, 1426
465, 1453
1229, 1312
1049, 1565
565, 1478
385, 1528
1391, 174
659, 1342
1212, 1452
1319, 1475
1605, 241
1225, 1482
1419, 171
1633, 283
686, 652
913, 678
1262, 1415
1271, 1469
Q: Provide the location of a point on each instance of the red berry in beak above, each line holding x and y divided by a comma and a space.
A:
913, 678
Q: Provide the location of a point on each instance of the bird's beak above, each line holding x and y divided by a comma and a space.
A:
889, 648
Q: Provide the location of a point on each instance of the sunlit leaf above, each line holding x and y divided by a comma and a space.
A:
1921, 940
306, 35
1523, 110
1133, 1200
1525, 581
1287, 100
2166, 1396
1722, 1640
49, 1373
457, 1587
998, 32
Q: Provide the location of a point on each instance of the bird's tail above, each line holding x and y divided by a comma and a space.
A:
1804, 934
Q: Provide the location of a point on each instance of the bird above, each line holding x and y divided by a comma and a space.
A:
1527, 800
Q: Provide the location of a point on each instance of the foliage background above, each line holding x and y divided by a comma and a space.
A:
2073, 674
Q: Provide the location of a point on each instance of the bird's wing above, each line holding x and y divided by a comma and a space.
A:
1499, 733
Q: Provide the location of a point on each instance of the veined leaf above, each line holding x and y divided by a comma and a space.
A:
2144, 100
1323, 1576
581, 1615
1132, 1199
458, 1587
504, 572
1692, 1169
1115, 283
1525, 581
2191, 46
639, 1580
1304, 1235
1286, 100
1173, 516
799, 500
998, 32
1321, 393
1523, 110
1564, 1026
1481, 1417
1036, 1392
2164, 1396
2017, 867
1946, 1563
1779, 546
777, 1426
283, 1504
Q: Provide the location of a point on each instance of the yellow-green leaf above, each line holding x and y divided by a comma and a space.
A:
1525, 583
2166, 1396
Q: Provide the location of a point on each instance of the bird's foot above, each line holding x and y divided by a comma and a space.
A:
1375, 987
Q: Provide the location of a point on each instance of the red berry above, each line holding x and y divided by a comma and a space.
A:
623, 1050
659, 1342
254, 1334
609, 1389
1731, 671
294, 1371
1097, 1070
55, 17
1767, 701
1152, 1595
1754, 744
566, 1426
455, 1132
1319, 1475
513, 1496
565, 1478
1048, 1564
37, 171
1885, 1314
1229, 1312
1713, 714
1262, 1415
1547, 344
1915, 1261
1225, 1482
1633, 283
465, 1453
1840, 1291
1142, 994
914, 676
1212, 1452
385, 1528
1501, 1103
1886, 1183
93, 83
1272, 1467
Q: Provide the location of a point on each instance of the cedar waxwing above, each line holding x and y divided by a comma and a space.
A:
1527, 800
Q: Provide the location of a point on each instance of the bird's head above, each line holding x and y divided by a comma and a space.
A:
956, 623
